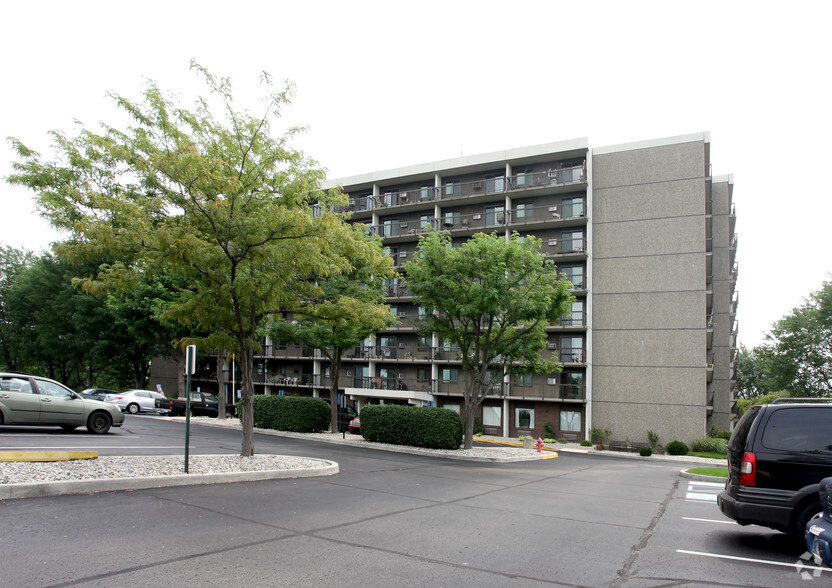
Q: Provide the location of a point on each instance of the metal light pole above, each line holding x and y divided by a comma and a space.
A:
190, 368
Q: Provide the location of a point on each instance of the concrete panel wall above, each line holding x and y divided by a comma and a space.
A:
680, 198
649, 304
666, 163
659, 273
649, 237
660, 310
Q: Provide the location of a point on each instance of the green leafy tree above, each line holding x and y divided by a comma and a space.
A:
751, 374
341, 311
492, 297
12, 263
798, 350
217, 198
61, 330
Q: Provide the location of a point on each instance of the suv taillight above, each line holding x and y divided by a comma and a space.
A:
748, 469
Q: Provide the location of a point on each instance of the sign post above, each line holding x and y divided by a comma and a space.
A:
190, 369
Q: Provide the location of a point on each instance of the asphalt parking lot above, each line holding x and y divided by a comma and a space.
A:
577, 520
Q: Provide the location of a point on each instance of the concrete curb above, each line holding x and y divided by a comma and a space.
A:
701, 477
58, 488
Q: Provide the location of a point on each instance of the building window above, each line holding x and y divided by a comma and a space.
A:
573, 386
450, 376
575, 274
523, 380
495, 216
451, 219
576, 317
572, 349
572, 241
425, 220
570, 421
524, 418
425, 192
452, 188
572, 207
494, 184
492, 416
454, 406
525, 210
524, 178
390, 227
424, 343
422, 374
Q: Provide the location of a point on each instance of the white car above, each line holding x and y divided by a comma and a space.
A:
135, 401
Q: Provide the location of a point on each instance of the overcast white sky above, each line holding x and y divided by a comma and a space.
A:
386, 84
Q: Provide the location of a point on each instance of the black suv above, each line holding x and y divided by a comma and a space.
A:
777, 456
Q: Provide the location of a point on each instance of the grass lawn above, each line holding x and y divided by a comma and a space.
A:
718, 472
709, 455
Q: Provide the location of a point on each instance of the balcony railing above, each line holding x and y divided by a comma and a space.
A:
499, 184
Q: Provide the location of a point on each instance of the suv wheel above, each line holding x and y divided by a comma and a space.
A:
808, 512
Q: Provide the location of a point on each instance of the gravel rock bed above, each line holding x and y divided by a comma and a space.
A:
104, 468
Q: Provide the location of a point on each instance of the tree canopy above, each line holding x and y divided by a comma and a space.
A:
492, 298
216, 197
798, 350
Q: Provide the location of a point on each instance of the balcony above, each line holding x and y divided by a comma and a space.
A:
563, 176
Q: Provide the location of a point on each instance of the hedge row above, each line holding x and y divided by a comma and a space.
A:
289, 413
417, 426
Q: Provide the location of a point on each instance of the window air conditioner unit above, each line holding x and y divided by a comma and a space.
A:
477, 185
553, 242
477, 216
403, 254
551, 346
403, 225
553, 209
552, 381
402, 314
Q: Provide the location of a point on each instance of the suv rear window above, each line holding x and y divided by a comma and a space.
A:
808, 430
740, 436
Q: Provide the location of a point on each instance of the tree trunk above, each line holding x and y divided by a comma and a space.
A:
333, 392
221, 384
246, 367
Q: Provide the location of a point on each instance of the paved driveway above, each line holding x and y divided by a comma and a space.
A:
393, 519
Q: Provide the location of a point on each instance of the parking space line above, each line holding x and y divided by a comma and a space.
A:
725, 522
752, 560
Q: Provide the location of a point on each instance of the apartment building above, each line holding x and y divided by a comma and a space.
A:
645, 234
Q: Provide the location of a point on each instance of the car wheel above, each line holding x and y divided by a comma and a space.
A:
69, 427
99, 423
810, 511
133, 408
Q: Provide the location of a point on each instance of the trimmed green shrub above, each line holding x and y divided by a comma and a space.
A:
586, 443
289, 413
417, 426
710, 445
562, 440
676, 448
718, 433
645, 451
550, 440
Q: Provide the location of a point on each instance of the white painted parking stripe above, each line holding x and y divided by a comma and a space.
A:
707, 484
709, 521
701, 497
752, 560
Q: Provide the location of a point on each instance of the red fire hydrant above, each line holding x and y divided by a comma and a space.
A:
539, 445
